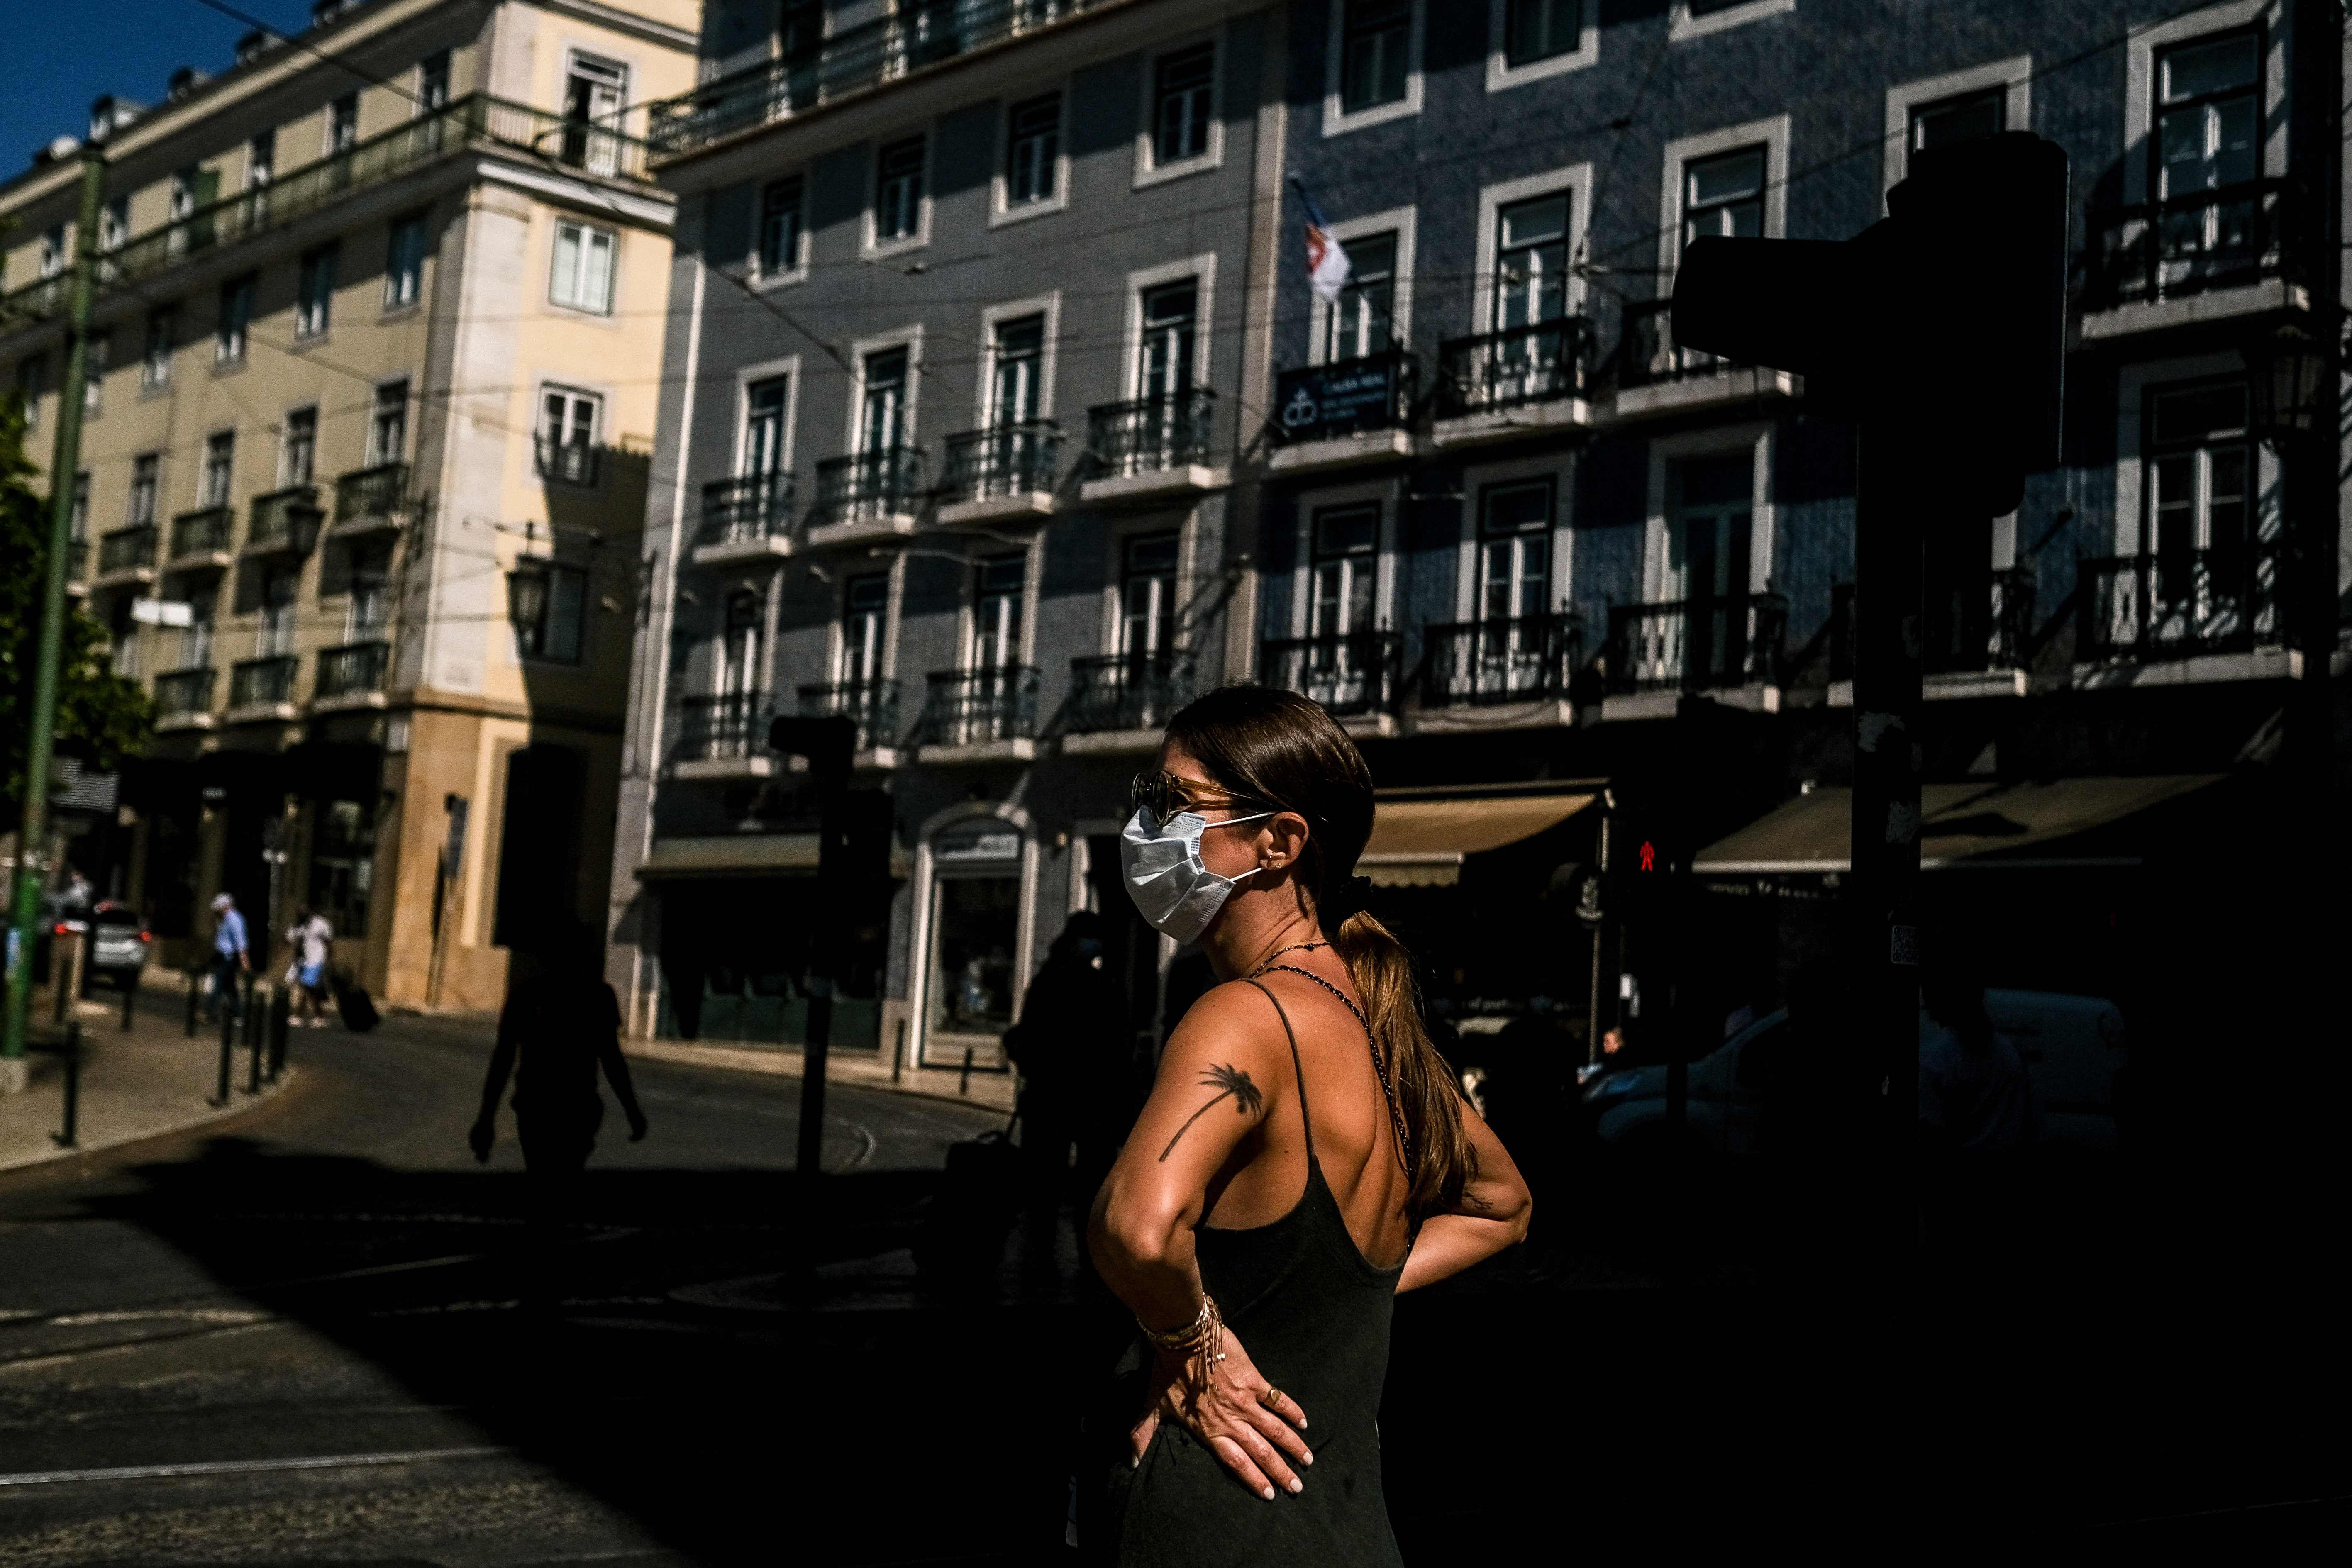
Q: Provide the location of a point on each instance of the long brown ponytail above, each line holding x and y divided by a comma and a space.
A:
1280, 748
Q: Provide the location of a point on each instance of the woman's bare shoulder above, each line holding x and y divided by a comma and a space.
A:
1231, 1017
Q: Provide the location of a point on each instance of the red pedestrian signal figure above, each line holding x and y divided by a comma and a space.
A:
1649, 856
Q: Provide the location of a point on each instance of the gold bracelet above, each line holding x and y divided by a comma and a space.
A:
1189, 1335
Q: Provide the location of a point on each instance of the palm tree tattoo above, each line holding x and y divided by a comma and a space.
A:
1225, 1079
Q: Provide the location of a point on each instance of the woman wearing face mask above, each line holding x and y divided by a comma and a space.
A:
1304, 1154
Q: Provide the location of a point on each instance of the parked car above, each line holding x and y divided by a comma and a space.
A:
120, 943
2072, 1046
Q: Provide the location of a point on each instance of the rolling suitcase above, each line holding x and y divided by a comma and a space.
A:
351, 1000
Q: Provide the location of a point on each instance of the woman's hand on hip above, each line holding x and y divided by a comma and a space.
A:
1239, 1417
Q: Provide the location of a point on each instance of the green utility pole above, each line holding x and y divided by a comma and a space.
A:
33, 840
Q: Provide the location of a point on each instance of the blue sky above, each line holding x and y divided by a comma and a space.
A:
62, 56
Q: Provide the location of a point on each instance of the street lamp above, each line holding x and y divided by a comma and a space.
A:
527, 601
2290, 364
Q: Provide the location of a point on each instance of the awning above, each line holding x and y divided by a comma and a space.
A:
1975, 823
1421, 843
748, 854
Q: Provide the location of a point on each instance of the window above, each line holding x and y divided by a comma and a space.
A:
739, 647
764, 406
883, 413
1146, 593
114, 225
864, 610
220, 463
1724, 195
1170, 317
99, 355
342, 865
78, 524
30, 373
583, 268
1708, 545
1019, 356
781, 223
143, 476
235, 316
567, 435
122, 632
155, 358
403, 261
388, 422
996, 620
261, 160
343, 124
2207, 138
371, 604
314, 301
1375, 46
1359, 319
1952, 121
899, 191
1347, 558
1032, 148
1535, 30
555, 637
1514, 551
1531, 261
196, 637
1181, 100
2200, 469
593, 91
298, 448
53, 250
433, 82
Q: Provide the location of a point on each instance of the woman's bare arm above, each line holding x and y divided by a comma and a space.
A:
1493, 1214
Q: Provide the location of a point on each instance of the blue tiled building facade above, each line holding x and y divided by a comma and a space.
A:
1000, 413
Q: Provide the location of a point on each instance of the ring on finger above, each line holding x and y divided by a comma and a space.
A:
1270, 1396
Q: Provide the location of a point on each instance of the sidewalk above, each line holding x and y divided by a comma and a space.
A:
137, 1084
867, 1070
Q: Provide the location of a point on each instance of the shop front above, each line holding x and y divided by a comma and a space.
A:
975, 872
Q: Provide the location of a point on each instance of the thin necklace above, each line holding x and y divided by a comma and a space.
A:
1277, 952
1380, 1064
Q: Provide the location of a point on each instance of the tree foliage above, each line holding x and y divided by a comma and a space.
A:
101, 717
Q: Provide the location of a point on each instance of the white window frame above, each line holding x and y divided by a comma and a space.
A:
554, 255
1772, 132
1577, 180
1382, 493
1558, 466
154, 371
286, 479
204, 449
1000, 191
836, 646
1114, 591
1400, 221
2139, 82
872, 247
2264, 522
1032, 581
1502, 76
407, 418
1337, 120
984, 395
1203, 269
911, 340
391, 229
1756, 439
750, 375
598, 434
1681, 24
2015, 75
1148, 172
798, 273
305, 330
327, 148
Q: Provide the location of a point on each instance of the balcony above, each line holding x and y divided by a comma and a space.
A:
352, 676
923, 33
371, 500
979, 716
1730, 647
1122, 702
285, 522
200, 540
748, 519
867, 497
2185, 615
261, 690
1975, 632
1357, 675
1499, 385
1350, 411
1155, 448
126, 557
725, 737
1514, 671
77, 566
183, 698
872, 704
2207, 256
1657, 376
1000, 475
561, 462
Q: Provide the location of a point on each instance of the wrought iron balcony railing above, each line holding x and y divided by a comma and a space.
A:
126, 549
377, 493
1353, 674
724, 729
1152, 432
2180, 604
921, 32
867, 486
1980, 623
1128, 691
1520, 365
567, 462
974, 707
1696, 644
1648, 354
204, 531
1347, 397
872, 704
262, 682
1007, 460
2189, 243
285, 519
746, 509
1524, 659
185, 693
352, 671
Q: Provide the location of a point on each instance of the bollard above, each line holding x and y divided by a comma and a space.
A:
228, 1048
280, 1023
963, 1084
64, 974
195, 998
898, 1057
71, 1134
257, 1036
130, 995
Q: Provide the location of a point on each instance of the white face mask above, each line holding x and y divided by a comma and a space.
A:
1172, 889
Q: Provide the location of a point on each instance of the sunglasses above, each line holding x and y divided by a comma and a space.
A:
1160, 795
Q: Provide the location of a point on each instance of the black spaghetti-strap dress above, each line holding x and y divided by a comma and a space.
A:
1314, 1313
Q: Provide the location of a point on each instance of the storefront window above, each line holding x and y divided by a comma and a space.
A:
735, 957
975, 942
342, 865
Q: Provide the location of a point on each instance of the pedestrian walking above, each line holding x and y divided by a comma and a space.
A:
230, 958
1071, 1048
1304, 1155
312, 939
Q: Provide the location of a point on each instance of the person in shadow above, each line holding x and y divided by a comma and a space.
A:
1071, 1048
561, 1024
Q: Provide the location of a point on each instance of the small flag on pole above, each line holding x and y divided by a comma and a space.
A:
1326, 260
